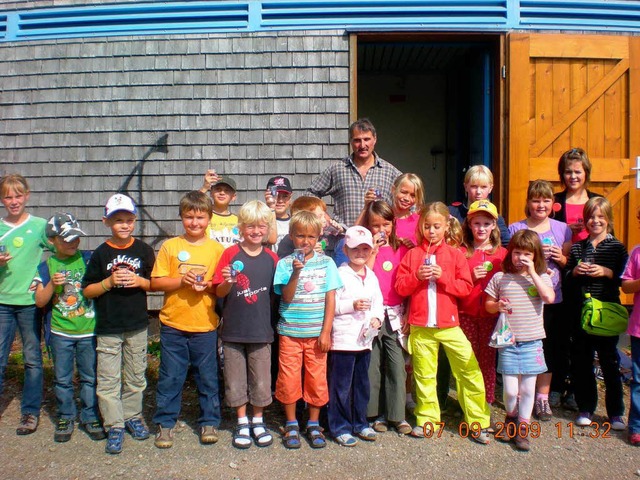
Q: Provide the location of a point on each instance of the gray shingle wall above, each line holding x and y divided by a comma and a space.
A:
78, 118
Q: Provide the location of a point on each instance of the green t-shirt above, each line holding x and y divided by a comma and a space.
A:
72, 314
25, 243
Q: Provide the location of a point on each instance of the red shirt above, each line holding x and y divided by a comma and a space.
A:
473, 304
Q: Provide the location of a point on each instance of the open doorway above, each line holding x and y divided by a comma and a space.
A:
433, 102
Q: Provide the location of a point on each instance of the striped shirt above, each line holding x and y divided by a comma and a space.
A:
344, 183
304, 316
610, 253
526, 319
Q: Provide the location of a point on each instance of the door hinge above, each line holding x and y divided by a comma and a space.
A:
503, 71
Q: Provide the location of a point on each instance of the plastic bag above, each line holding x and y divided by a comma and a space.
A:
502, 335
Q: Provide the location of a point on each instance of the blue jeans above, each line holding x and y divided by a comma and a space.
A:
178, 350
25, 318
348, 391
634, 411
83, 350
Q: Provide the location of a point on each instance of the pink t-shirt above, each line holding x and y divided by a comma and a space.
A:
574, 215
386, 268
406, 227
632, 272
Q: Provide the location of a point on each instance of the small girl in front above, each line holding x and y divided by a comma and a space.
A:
520, 291
631, 284
481, 246
435, 276
387, 373
595, 266
357, 319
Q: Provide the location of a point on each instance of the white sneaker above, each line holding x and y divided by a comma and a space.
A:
617, 423
584, 419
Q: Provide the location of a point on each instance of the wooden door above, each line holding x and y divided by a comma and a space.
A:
567, 91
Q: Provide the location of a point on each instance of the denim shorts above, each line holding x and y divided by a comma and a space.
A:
523, 358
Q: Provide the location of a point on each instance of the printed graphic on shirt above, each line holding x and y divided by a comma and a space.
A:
68, 298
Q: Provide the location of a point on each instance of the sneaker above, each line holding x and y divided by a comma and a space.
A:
380, 425
417, 432
617, 423
521, 440
634, 439
208, 434
368, 434
115, 439
346, 440
95, 430
28, 424
584, 419
555, 399
136, 427
569, 402
542, 410
164, 437
63, 431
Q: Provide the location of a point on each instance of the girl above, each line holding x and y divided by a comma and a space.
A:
481, 246
595, 265
435, 276
519, 292
574, 170
358, 316
23, 238
387, 374
556, 243
631, 284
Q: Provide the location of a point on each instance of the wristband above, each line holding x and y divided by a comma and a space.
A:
103, 287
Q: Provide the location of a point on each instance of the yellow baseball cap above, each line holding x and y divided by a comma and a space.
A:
483, 206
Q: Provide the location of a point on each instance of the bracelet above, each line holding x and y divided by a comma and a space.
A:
103, 287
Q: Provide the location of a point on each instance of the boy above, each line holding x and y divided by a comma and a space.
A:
223, 226
307, 283
279, 203
307, 204
117, 278
188, 334
244, 278
359, 312
70, 323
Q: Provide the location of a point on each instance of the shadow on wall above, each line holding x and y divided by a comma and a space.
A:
136, 192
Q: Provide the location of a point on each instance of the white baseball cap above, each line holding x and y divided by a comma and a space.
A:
119, 202
357, 235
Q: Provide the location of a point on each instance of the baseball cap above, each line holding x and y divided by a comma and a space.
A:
357, 235
64, 225
282, 184
223, 180
119, 202
483, 206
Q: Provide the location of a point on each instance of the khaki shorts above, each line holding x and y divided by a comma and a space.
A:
247, 374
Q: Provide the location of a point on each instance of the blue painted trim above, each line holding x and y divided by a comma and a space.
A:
352, 15
487, 110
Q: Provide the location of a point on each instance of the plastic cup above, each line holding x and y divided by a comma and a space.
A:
233, 274
299, 255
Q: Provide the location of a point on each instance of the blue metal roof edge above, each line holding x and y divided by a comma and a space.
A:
132, 19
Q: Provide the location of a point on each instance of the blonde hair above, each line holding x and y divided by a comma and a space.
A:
305, 219
438, 208
418, 187
538, 189
254, 211
13, 182
478, 172
454, 238
467, 234
197, 201
605, 208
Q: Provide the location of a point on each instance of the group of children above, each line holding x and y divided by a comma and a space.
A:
411, 282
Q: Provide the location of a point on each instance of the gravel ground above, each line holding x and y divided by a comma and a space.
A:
553, 455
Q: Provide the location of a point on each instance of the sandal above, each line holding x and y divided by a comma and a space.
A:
291, 436
315, 436
237, 436
403, 427
264, 435
380, 425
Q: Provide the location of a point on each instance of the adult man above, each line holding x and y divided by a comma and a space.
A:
348, 180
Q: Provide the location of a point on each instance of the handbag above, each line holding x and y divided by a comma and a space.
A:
604, 319
502, 335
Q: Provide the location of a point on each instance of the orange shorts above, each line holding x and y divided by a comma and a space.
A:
294, 354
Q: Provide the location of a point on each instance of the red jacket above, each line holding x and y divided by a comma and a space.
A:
454, 283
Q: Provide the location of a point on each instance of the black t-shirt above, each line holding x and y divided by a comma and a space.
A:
247, 307
120, 309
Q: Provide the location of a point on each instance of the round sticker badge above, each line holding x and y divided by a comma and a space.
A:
532, 291
488, 266
238, 266
309, 286
183, 255
387, 266
18, 242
